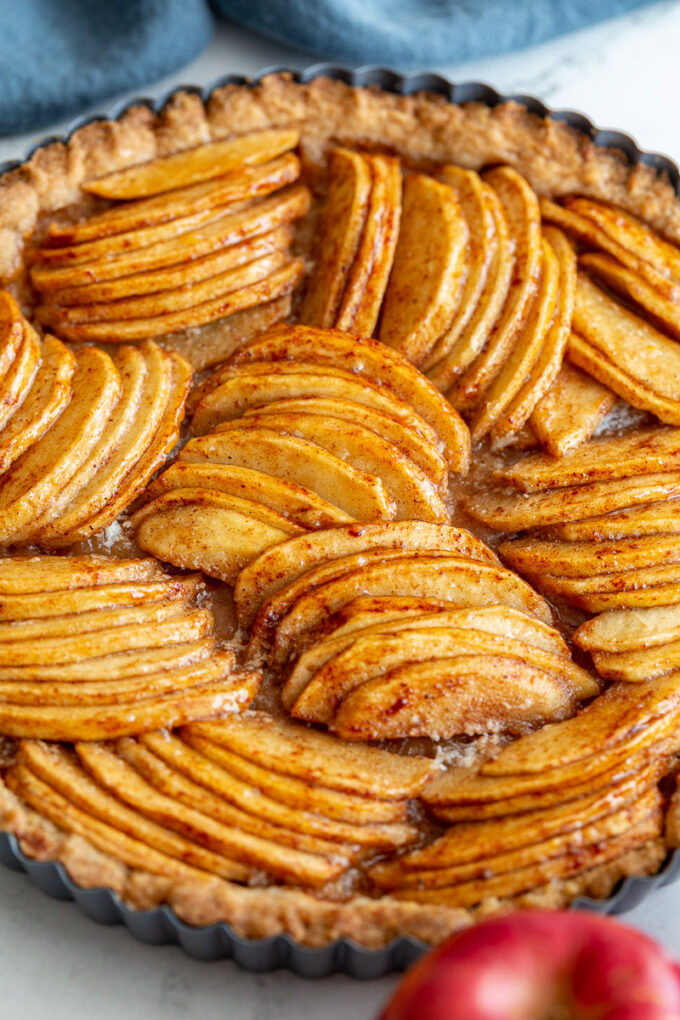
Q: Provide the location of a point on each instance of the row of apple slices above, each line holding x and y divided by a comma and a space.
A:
309, 428
92, 647
209, 238
86, 434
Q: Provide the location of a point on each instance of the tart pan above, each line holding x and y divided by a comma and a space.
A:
217, 941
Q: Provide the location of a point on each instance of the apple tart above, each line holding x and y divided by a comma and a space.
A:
339, 489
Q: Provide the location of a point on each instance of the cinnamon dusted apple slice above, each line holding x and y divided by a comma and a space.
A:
547, 364
208, 530
318, 758
504, 511
55, 775
279, 567
116, 666
340, 230
368, 274
22, 575
638, 666
95, 620
41, 605
414, 444
121, 779
479, 254
193, 165
588, 559
608, 721
429, 268
521, 210
229, 228
17, 380
633, 288
300, 505
587, 230
361, 495
459, 354
36, 478
648, 519
525, 350
628, 630
12, 328
238, 185
331, 347
641, 583
280, 282
414, 494
570, 411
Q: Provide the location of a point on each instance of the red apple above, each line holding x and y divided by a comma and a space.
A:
542, 965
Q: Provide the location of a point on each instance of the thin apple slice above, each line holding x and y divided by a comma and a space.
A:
23, 575
166, 173
300, 505
648, 519
643, 595
520, 206
280, 567
427, 276
18, 379
503, 510
230, 228
546, 367
318, 759
97, 619
462, 351
239, 185
342, 223
361, 495
42, 605
586, 230
116, 666
203, 529
624, 581
421, 450
588, 559
414, 494
633, 288
570, 411
12, 329
368, 274
480, 252
639, 665
47, 397
377, 361
627, 630
522, 357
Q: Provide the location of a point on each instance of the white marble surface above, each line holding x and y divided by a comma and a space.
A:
55, 963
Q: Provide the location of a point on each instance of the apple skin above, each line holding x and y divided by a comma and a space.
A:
542, 965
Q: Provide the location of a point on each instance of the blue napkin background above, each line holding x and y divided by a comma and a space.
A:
58, 57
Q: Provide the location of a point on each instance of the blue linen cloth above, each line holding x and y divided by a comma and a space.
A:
60, 56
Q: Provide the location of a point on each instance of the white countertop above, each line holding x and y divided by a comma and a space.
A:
53, 961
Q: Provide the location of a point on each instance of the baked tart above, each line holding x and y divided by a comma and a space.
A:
339, 489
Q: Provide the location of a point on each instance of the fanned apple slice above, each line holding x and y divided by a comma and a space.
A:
427, 276
166, 173
633, 288
41, 604
162, 440
300, 505
282, 281
444, 697
279, 567
588, 559
122, 780
642, 452
465, 582
12, 328
47, 397
460, 354
520, 206
231, 228
636, 393
624, 581
525, 350
361, 495
233, 390
480, 252
37, 477
18, 379
503, 510
342, 223
415, 495
317, 758
627, 630
638, 666
367, 276
97, 619
116, 666
610, 720
585, 229
547, 364
23, 575
208, 530
421, 450
377, 361
239, 185
570, 411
